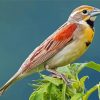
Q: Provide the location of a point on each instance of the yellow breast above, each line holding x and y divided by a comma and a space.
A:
89, 34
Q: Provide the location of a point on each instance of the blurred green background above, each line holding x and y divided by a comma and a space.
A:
24, 24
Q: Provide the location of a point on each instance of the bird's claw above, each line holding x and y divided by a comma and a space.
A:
62, 76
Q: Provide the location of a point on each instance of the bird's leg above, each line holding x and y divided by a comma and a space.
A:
59, 75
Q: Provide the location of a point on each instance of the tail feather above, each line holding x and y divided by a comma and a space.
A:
9, 83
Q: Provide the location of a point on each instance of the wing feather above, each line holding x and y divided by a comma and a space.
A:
50, 46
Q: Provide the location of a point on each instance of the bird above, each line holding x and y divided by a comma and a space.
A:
64, 46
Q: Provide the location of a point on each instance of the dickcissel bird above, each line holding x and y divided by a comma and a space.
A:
63, 47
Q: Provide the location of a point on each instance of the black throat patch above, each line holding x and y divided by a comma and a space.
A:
90, 23
87, 43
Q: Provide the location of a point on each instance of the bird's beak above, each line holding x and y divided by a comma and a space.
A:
95, 12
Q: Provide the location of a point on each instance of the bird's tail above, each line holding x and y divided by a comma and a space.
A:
9, 83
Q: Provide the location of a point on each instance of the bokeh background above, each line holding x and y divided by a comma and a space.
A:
24, 24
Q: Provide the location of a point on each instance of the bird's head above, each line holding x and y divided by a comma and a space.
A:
86, 14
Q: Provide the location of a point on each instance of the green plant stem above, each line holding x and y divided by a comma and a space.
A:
89, 92
81, 68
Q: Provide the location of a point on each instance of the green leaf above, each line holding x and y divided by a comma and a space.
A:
70, 91
54, 92
89, 92
77, 96
93, 66
80, 85
64, 92
55, 81
41, 93
76, 85
83, 79
99, 90
64, 69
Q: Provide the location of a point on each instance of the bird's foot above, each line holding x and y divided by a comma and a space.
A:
60, 75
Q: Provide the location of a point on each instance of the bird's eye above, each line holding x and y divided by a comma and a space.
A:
85, 12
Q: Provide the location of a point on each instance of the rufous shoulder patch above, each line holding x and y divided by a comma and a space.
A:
65, 32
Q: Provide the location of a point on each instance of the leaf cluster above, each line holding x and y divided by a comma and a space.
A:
50, 88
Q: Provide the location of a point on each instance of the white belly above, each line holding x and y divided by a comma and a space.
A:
69, 54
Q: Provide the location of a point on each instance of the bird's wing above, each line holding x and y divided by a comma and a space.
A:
51, 46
